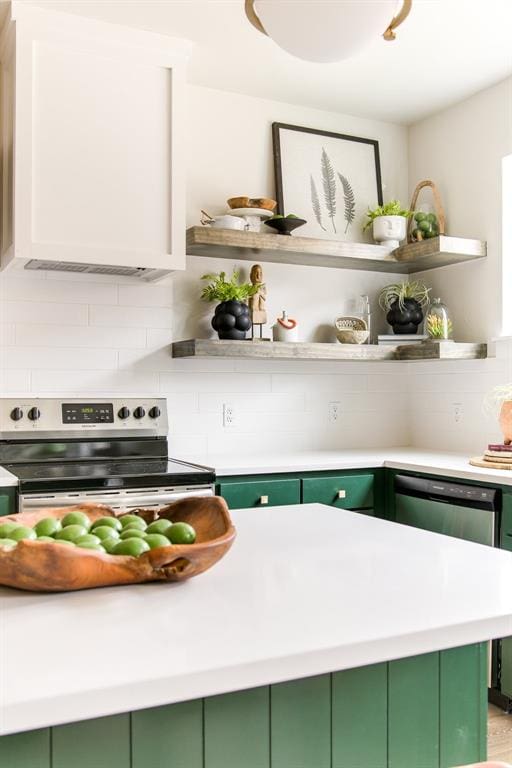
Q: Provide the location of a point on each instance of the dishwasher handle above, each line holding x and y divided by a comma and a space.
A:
446, 492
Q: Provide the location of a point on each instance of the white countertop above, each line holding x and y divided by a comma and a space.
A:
413, 459
7, 479
305, 590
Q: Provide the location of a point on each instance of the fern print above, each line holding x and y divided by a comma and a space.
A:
315, 203
350, 201
329, 185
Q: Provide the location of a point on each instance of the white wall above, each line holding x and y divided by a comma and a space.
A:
462, 149
94, 335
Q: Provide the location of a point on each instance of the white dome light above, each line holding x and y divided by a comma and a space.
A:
325, 30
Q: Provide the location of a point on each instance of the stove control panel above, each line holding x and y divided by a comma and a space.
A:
105, 416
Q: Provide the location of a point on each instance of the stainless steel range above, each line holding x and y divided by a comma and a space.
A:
106, 450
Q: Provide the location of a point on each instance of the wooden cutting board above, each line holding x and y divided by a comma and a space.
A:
479, 461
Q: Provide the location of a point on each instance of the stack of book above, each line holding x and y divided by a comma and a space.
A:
401, 338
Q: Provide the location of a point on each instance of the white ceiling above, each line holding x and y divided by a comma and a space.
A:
445, 51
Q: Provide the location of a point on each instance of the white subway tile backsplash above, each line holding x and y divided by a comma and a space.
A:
63, 359
27, 289
28, 334
40, 312
130, 317
146, 295
63, 334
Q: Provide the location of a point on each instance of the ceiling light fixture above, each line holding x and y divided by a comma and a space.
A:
326, 30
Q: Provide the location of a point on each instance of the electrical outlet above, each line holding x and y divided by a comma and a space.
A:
334, 411
229, 416
457, 412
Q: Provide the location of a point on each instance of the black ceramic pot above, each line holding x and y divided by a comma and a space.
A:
231, 320
405, 320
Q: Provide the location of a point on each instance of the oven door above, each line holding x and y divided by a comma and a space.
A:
122, 499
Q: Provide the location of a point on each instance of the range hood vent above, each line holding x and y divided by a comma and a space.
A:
140, 273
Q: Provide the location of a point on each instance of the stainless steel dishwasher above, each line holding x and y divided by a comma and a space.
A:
464, 511
469, 512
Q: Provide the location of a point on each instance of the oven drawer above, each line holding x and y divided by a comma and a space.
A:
148, 498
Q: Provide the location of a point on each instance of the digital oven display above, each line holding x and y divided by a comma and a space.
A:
87, 413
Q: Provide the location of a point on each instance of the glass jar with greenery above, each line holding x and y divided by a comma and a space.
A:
438, 324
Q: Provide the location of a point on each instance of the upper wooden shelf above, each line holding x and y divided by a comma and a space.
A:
248, 246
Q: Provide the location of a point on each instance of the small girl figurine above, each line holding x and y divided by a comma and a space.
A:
258, 300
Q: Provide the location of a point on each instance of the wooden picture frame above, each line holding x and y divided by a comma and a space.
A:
310, 176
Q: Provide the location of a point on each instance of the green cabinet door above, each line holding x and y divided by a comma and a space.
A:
243, 494
506, 666
506, 523
343, 491
7, 501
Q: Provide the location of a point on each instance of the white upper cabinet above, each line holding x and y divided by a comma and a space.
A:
93, 175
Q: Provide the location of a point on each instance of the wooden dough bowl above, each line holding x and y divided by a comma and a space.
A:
41, 566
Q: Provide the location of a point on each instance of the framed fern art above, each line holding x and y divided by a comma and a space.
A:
327, 178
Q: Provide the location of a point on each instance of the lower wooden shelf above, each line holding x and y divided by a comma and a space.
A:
270, 350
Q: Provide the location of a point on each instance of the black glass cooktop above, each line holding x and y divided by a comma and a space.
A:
138, 473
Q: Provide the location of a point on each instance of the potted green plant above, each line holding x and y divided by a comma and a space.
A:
404, 303
231, 319
389, 223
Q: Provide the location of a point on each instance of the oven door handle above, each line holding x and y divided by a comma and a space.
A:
116, 500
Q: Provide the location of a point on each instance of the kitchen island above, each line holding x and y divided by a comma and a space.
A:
323, 638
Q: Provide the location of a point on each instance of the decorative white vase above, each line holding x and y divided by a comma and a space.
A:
389, 230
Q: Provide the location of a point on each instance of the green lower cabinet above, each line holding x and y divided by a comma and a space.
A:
506, 667
26, 750
237, 729
99, 743
360, 717
7, 501
244, 494
300, 723
343, 491
426, 711
168, 736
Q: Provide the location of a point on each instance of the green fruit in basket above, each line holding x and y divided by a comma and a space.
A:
64, 541
424, 226
156, 540
133, 547
76, 518
22, 532
89, 538
6, 529
431, 217
71, 533
46, 538
9, 543
111, 522
91, 545
48, 526
105, 532
419, 216
181, 533
132, 520
159, 526
132, 533
109, 544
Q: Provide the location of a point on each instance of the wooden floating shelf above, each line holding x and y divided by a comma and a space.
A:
270, 350
308, 251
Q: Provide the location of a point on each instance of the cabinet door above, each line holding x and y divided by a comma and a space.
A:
506, 523
98, 151
7, 501
506, 667
260, 493
343, 491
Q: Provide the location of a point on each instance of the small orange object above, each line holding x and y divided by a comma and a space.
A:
287, 322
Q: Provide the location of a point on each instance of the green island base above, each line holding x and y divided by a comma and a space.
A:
427, 711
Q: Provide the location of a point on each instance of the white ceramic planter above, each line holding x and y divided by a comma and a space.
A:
389, 230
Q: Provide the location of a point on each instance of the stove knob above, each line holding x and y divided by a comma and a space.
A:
123, 412
139, 412
154, 412
16, 414
34, 414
